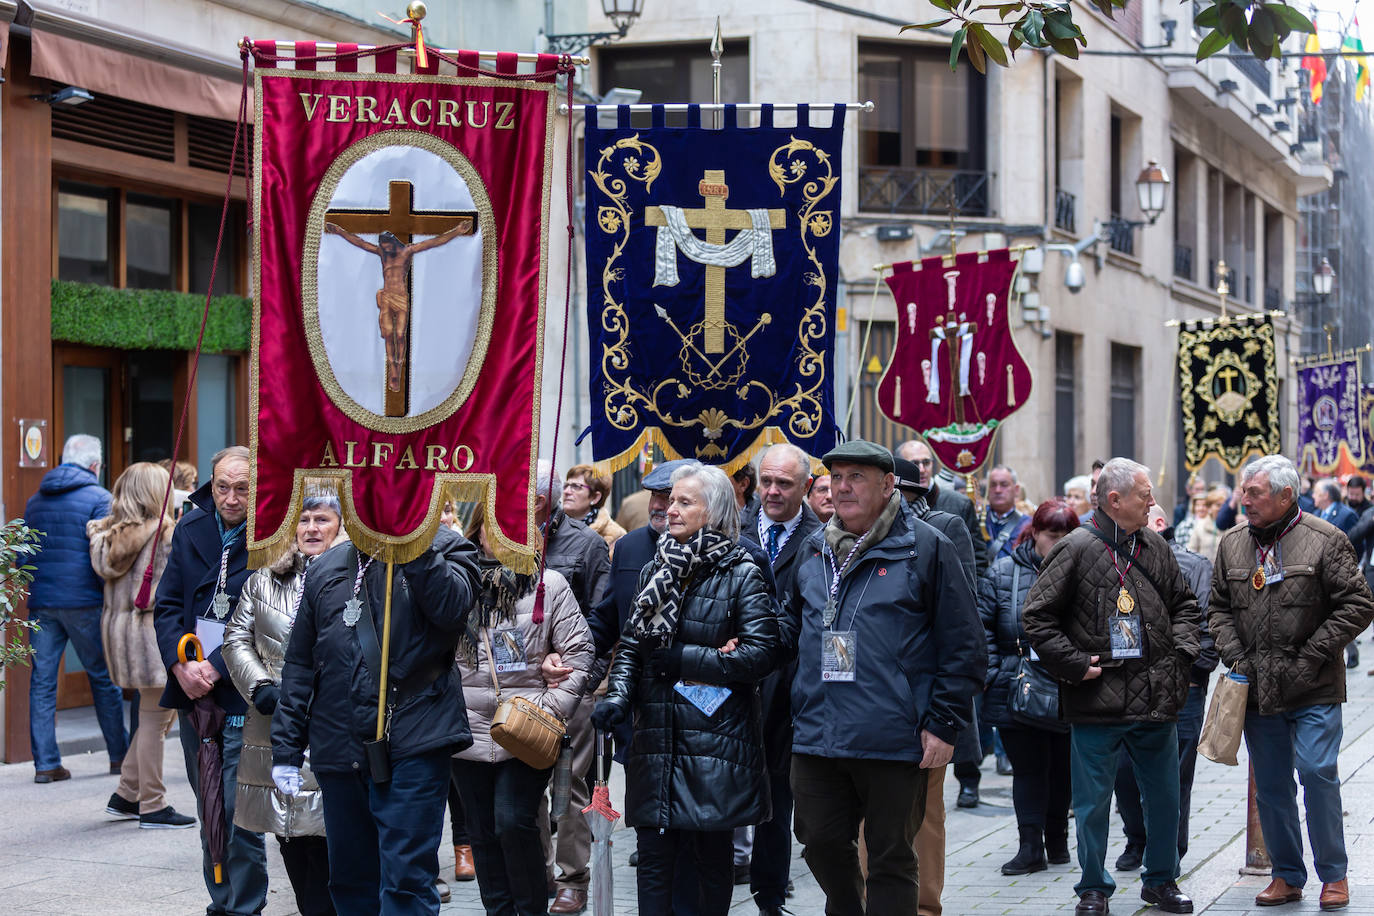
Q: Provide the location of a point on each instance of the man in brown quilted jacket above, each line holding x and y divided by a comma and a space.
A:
1287, 597
1112, 618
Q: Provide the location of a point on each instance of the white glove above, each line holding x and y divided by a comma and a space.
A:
288, 779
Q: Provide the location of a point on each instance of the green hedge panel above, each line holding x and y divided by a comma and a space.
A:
147, 319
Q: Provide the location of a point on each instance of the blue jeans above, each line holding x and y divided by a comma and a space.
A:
244, 889
1128, 793
1307, 739
82, 627
1153, 748
384, 838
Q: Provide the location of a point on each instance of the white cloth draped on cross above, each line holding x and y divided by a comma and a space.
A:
675, 236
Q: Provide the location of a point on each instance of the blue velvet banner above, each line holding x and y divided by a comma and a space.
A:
712, 263
1329, 414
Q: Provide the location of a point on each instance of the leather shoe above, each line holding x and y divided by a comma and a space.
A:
569, 900
1278, 892
1167, 897
463, 867
42, 777
445, 895
1092, 903
634, 859
968, 797
1335, 896
116, 766
1129, 860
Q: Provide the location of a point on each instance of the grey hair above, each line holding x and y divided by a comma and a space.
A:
1118, 476
1003, 467
722, 513
1333, 489
230, 451
1081, 482
321, 499
82, 450
1280, 470
802, 459
546, 477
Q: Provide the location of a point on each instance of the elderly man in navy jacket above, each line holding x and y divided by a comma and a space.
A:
890, 652
65, 602
206, 569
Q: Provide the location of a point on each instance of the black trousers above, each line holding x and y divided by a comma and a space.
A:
660, 876
1128, 793
455, 813
501, 805
1041, 789
771, 865
832, 796
307, 865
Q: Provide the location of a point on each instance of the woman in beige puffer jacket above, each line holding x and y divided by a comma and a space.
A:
500, 793
122, 546
255, 642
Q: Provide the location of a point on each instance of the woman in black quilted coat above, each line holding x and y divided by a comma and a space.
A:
1039, 751
703, 631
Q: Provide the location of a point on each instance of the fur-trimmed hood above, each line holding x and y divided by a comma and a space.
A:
116, 545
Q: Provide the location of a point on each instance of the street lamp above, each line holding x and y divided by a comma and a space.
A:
622, 13
1323, 279
1151, 188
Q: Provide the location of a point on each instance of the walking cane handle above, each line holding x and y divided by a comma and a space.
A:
196, 653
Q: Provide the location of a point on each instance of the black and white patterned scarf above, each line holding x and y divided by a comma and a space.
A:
654, 618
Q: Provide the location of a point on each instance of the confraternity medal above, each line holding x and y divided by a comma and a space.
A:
1257, 580
353, 610
219, 605
1125, 604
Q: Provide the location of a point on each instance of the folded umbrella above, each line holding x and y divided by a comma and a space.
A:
207, 719
602, 818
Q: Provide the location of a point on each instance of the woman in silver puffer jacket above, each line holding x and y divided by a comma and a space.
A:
254, 646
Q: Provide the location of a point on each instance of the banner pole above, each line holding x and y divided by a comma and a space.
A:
386, 653
717, 49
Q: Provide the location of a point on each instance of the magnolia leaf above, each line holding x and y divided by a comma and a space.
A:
1290, 17
974, 45
1212, 43
992, 47
1262, 32
956, 44
1209, 18
938, 23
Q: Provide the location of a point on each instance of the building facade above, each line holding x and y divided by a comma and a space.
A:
1030, 155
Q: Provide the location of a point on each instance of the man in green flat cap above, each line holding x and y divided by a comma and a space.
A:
890, 653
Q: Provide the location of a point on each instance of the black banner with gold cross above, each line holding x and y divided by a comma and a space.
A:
1229, 390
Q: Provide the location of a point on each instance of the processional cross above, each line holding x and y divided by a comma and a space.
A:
394, 227
715, 219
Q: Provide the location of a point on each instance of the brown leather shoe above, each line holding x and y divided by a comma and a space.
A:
463, 868
1335, 896
1279, 891
569, 900
42, 777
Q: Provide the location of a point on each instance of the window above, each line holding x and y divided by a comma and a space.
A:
922, 150
148, 250
215, 406
83, 234
1065, 407
1125, 385
661, 73
203, 225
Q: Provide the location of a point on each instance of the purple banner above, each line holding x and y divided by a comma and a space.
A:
1329, 414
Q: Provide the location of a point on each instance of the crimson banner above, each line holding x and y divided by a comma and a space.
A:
955, 372
399, 261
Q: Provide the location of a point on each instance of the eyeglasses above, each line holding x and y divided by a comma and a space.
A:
574, 485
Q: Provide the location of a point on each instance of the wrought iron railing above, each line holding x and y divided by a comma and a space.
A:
1256, 71
1183, 261
1121, 236
903, 190
1065, 205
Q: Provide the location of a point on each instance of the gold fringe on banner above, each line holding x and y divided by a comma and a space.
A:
391, 548
769, 435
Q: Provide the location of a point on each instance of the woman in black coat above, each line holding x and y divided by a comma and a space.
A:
1039, 750
703, 631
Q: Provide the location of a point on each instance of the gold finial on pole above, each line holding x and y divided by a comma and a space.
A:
1330, 330
1223, 288
416, 10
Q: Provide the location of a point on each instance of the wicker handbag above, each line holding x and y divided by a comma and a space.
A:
530, 733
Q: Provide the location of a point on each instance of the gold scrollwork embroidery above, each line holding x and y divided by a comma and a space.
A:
788, 165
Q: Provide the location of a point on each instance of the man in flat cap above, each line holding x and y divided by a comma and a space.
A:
890, 652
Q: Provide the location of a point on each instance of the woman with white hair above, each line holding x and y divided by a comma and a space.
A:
703, 632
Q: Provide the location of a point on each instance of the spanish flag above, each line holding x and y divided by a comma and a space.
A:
1315, 65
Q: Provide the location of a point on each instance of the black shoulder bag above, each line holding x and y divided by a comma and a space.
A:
1034, 694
